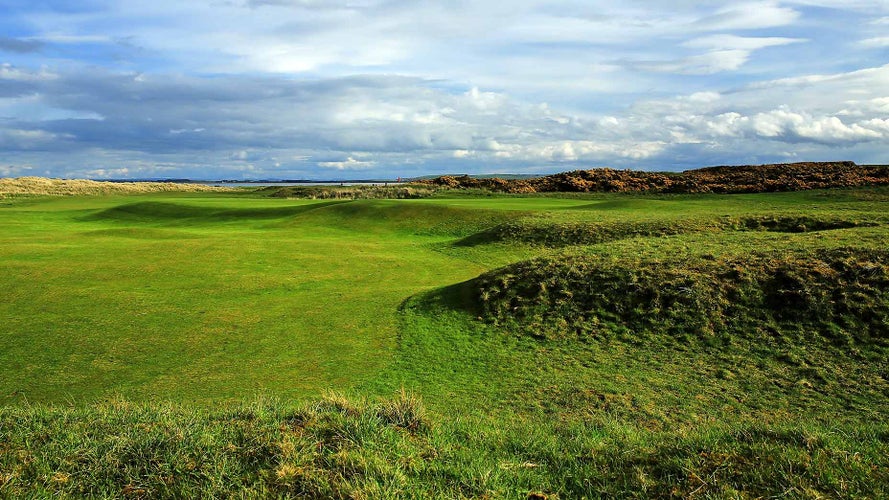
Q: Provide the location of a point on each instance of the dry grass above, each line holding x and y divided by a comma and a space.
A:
30, 186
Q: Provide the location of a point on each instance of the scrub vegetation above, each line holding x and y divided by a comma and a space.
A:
455, 345
31, 186
745, 179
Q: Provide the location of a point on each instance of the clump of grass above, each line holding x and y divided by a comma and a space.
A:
839, 293
406, 411
36, 186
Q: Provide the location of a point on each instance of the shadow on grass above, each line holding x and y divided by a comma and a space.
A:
457, 297
151, 211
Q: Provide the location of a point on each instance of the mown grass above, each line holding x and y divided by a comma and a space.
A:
176, 307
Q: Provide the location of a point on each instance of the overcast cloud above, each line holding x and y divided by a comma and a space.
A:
387, 88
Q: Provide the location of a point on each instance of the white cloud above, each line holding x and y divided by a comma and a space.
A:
108, 173
725, 53
876, 42
14, 170
726, 124
703, 64
830, 129
348, 164
12, 73
732, 42
749, 15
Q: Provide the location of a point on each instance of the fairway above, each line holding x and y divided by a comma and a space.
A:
202, 297
211, 297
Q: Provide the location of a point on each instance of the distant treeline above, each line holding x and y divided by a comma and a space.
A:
741, 179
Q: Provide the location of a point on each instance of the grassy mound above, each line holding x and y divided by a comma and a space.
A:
402, 217
842, 294
344, 448
550, 233
796, 224
170, 212
33, 186
558, 234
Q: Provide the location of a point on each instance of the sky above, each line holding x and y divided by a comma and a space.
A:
360, 89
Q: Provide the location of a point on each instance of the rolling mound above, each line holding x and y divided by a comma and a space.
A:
368, 215
741, 179
840, 294
545, 232
167, 212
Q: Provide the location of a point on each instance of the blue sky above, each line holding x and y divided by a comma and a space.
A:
339, 89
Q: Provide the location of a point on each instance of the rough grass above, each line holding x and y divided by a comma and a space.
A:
36, 186
554, 233
840, 293
342, 447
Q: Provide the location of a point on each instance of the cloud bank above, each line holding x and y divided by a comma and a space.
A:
386, 88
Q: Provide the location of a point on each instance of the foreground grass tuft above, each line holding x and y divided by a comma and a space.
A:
343, 448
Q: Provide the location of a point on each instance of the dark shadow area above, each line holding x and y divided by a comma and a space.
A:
457, 297
799, 224
490, 235
171, 212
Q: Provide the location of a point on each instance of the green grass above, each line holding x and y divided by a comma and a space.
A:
352, 448
177, 307
202, 298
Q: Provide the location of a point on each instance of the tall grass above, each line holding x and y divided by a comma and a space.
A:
351, 448
34, 186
